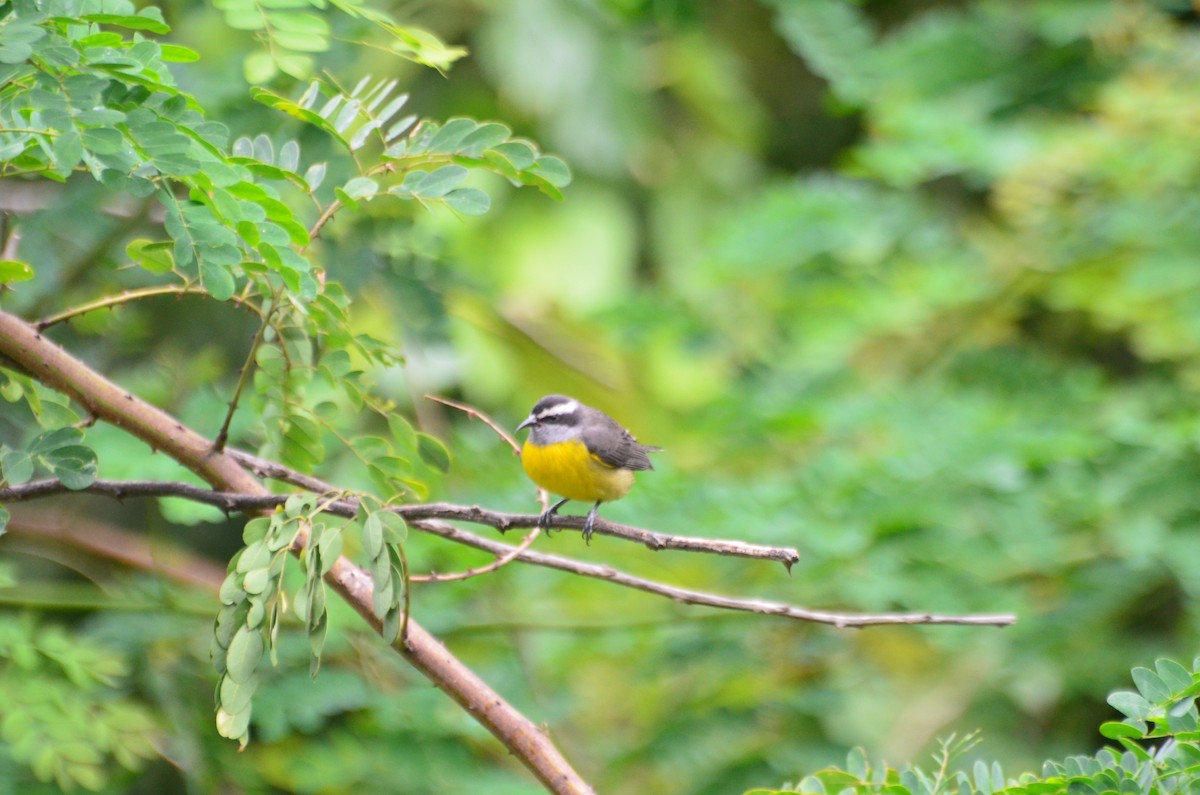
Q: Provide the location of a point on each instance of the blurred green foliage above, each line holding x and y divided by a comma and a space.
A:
1163, 708
907, 285
65, 715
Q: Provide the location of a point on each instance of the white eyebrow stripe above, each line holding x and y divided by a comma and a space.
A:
560, 408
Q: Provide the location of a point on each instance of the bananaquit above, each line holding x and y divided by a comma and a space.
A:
579, 453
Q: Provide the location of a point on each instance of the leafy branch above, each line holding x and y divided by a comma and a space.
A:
1165, 700
431, 518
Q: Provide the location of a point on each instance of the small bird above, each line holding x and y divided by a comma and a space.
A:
580, 453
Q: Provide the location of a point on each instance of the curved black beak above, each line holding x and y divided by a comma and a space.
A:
530, 420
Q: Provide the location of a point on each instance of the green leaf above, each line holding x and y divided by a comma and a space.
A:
1130, 703
315, 175
55, 438
68, 151
255, 530
19, 35
402, 431
433, 452
395, 529
372, 536
381, 596
1137, 750
553, 170
176, 53
244, 654
5, 516
259, 67
361, 187
217, 280
256, 613
17, 465
293, 109
390, 631
231, 592
256, 581
1114, 729
469, 201
482, 138
330, 547
72, 463
452, 133
154, 256
104, 140
435, 184
299, 505
12, 270
1173, 675
519, 153
233, 725
1150, 685
129, 21
235, 696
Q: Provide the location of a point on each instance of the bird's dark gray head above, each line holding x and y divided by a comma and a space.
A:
553, 410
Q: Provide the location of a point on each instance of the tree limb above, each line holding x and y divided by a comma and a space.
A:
50, 364
128, 549
234, 501
690, 597
427, 518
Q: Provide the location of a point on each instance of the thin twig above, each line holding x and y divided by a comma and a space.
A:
476, 414
691, 597
244, 377
133, 295
326, 215
501, 560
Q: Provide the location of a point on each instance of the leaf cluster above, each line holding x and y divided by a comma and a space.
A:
1163, 709
255, 595
66, 716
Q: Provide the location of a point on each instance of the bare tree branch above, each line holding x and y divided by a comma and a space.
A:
651, 539
29, 350
128, 549
233, 501
504, 559
690, 597
427, 518
476, 414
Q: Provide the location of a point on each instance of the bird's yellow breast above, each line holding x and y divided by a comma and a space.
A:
569, 470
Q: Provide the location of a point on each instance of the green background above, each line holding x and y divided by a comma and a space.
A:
910, 286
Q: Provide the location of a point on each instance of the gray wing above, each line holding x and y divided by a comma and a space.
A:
616, 446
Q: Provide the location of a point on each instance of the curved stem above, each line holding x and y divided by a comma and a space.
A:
476, 414
129, 296
244, 378
501, 560
325, 217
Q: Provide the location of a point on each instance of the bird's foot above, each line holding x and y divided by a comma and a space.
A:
588, 524
548, 514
